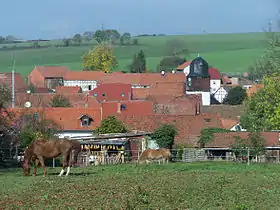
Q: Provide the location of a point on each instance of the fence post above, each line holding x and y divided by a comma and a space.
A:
53, 163
248, 156
277, 158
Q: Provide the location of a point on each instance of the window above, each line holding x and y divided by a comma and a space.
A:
207, 120
95, 94
122, 94
89, 87
85, 120
237, 128
214, 83
123, 107
103, 94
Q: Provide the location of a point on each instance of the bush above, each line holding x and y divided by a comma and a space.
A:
111, 125
207, 134
165, 135
235, 96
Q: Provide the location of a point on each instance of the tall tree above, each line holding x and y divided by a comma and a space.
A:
6, 117
269, 63
101, 58
88, 35
138, 63
262, 111
169, 63
77, 38
126, 37
235, 96
100, 36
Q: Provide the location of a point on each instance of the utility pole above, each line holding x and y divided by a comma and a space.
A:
13, 83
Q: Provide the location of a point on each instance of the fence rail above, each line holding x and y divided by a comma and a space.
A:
129, 156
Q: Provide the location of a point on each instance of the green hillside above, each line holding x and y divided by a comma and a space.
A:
232, 53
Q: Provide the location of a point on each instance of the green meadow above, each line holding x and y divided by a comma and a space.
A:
230, 53
205, 185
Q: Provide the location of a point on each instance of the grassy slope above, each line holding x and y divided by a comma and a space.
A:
193, 185
229, 52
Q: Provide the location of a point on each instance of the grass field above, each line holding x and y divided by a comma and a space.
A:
232, 53
176, 185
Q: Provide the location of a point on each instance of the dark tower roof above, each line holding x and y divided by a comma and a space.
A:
199, 68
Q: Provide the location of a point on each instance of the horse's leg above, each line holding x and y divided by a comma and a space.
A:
41, 159
64, 159
36, 163
69, 162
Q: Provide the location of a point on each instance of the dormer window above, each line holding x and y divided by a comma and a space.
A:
103, 94
85, 120
95, 94
122, 95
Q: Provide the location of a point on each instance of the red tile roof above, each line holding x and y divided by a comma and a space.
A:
184, 65
77, 100
67, 118
228, 123
52, 71
112, 92
160, 88
142, 78
20, 85
132, 107
84, 75
225, 140
254, 89
214, 73
65, 89
179, 105
188, 127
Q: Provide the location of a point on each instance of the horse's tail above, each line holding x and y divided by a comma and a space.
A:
76, 146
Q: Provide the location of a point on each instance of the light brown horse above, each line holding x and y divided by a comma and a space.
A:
155, 154
40, 149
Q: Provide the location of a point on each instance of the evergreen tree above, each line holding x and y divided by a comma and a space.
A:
138, 63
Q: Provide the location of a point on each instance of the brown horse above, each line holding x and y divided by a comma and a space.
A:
40, 149
155, 154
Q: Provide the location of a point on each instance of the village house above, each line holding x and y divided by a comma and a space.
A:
47, 76
87, 80
71, 122
188, 126
142, 80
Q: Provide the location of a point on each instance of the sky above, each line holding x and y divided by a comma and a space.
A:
33, 19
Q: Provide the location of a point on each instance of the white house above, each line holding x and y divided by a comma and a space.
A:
87, 80
221, 93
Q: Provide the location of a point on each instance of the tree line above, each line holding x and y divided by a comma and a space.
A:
102, 58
